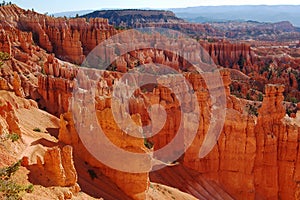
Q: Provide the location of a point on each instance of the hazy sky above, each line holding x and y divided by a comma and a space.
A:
53, 6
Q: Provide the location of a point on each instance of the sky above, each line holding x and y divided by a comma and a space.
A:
55, 6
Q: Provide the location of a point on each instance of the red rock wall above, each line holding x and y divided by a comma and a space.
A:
252, 157
55, 168
228, 54
134, 185
8, 118
256, 157
69, 39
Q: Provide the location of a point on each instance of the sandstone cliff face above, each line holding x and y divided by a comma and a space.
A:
19, 70
24, 72
26, 115
10, 105
137, 107
56, 168
134, 185
73, 39
276, 138
256, 157
236, 161
244, 137
228, 54
5, 44
262, 64
57, 91
69, 39
9, 120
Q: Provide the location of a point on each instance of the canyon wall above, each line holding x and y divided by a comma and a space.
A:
69, 39
260, 65
256, 157
229, 54
255, 154
73, 39
133, 184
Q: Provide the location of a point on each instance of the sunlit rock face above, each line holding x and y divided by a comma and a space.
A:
255, 157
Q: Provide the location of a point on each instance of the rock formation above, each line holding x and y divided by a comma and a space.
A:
256, 157
73, 39
261, 31
228, 54
56, 168
134, 185
125, 19
17, 85
9, 120
69, 39
262, 64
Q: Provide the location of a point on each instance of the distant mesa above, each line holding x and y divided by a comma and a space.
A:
190, 22
132, 18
